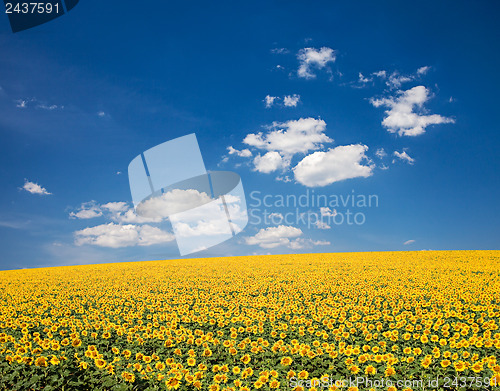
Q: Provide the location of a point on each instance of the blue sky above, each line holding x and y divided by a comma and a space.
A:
82, 95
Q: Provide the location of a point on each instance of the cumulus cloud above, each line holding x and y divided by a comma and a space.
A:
291, 100
311, 58
116, 207
88, 210
34, 188
404, 157
115, 235
129, 216
242, 153
272, 237
337, 164
172, 202
271, 161
404, 115
269, 100
291, 137
409, 242
120, 212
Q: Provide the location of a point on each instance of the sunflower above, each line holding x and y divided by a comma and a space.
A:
172, 383
54, 360
100, 363
41, 361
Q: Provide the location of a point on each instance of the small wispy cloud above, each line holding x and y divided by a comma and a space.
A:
403, 156
280, 51
311, 58
243, 153
38, 104
380, 153
88, 210
288, 100
408, 242
423, 70
269, 100
34, 188
291, 100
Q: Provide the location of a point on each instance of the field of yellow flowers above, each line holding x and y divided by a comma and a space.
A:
262, 322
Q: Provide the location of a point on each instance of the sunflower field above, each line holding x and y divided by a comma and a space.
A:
301, 322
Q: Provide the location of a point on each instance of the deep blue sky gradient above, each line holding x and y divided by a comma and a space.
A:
160, 70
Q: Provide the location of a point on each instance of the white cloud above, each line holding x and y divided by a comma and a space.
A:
325, 211
403, 156
301, 243
409, 242
101, 114
337, 164
381, 153
48, 107
423, 70
363, 79
21, 103
285, 179
280, 51
381, 74
291, 100
129, 216
270, 162
116, 207
242, 153
116, 235
172, 202
311, 58
402, 117
272, 237
396, 80
321, 225
269, 100
88, 210
149, 235
34, 188
291, 137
